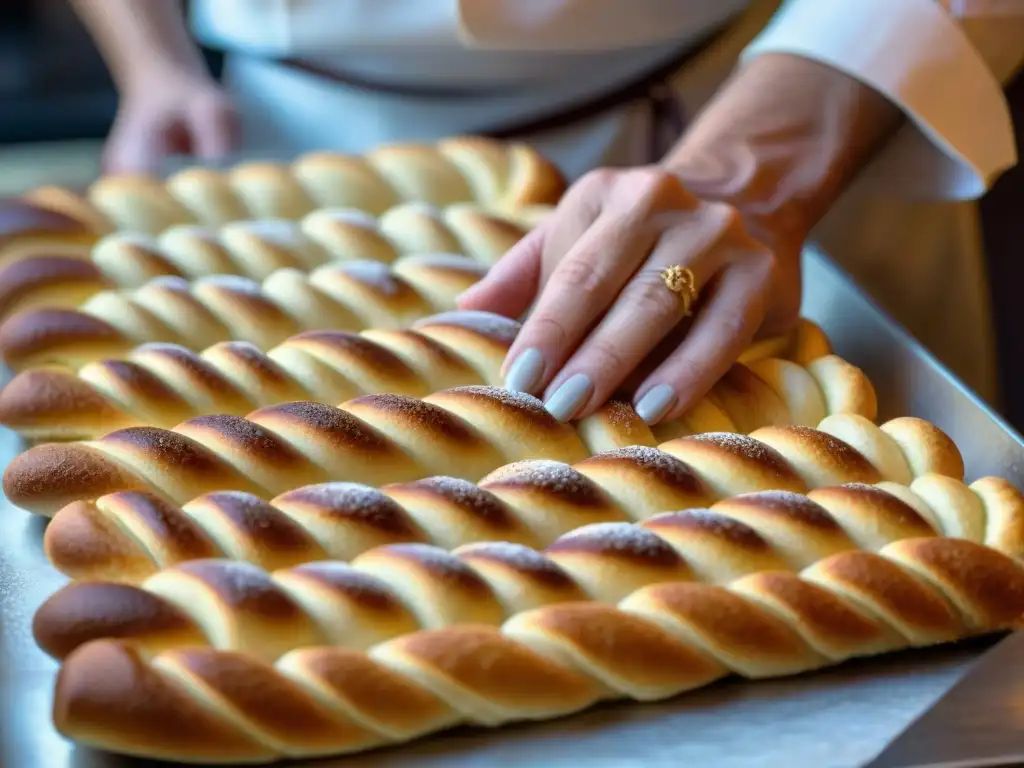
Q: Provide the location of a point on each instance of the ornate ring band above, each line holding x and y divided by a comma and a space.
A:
681, 281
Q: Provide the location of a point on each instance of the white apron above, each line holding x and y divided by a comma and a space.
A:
920, 260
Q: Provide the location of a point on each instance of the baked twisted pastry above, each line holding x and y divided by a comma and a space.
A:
500, 176
206, 705
347, 296
465, 432
161, 385
45, 236
402, 583
27, 229
254, 249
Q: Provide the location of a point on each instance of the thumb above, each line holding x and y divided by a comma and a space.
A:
511, 285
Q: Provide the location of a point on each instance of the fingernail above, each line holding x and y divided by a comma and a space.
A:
569, 397
656, 403
525, 372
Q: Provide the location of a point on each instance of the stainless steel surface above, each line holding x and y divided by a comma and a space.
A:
842, 717
978, 722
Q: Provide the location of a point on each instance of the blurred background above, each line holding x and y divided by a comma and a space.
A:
57, 103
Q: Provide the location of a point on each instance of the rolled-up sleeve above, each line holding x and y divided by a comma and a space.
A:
942, 63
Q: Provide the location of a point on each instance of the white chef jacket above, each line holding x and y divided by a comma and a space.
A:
941, 61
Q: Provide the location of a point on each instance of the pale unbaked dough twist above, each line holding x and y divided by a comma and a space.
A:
375, 439
201, 704
161, 385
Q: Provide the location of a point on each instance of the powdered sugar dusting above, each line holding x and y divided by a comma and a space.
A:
374, 274
351, 216
427, 417
342, 501
138, 239
469, 498
197, 231
617, 538
622, 416
663, 466
419, 208
553, 478
786, 504
162, 348
445, 261
369, 590
279, 232
171, 282
501, 329
351, 497
743, 446
719, 525
518, 400
518, 557
236, 581
234, 283
441, 564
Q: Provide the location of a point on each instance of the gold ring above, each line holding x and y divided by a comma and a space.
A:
681, 281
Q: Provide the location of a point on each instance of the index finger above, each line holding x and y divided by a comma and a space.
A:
581, 288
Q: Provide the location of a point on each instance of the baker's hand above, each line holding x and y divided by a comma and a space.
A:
602, 312
170, 111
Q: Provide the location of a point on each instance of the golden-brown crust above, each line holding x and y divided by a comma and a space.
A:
48, 280
413, 584
20, 217
53, 403
217, 308
40, 336
154, 714
531, 501
70, 203
87, 610
659, 641
443, 352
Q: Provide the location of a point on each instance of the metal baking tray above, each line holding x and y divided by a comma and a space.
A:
837, 718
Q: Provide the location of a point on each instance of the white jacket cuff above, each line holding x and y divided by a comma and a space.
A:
961, 135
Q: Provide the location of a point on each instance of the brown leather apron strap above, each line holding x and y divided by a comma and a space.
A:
667, 113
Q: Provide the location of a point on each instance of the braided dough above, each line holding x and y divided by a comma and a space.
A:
403, 578
202, 704
161, 384
45, 237
464, 432
507, 177
349, 296
254, 249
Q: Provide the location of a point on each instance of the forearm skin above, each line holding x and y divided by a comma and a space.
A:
136, 35
781, 140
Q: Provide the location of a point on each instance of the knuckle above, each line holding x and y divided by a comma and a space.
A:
725, 217
599, 177
545, 330
649, 291
686, 369
606, 356
583, 276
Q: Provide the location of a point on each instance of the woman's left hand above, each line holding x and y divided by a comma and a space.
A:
602, 312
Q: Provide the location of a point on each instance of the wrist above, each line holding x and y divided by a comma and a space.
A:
161, 71
781, 141
731, 171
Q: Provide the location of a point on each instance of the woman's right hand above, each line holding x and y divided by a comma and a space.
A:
170, 111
